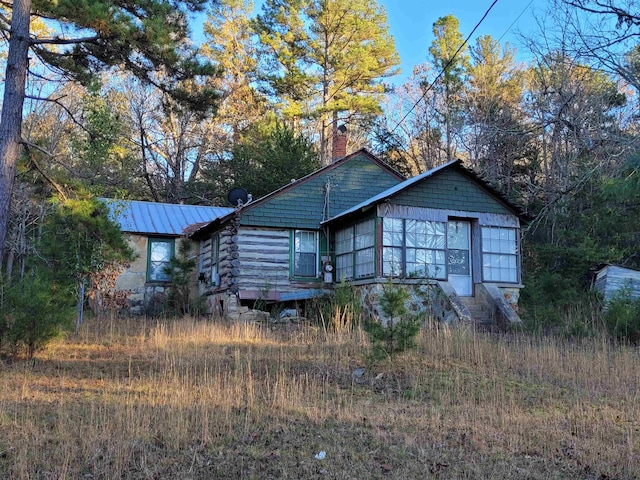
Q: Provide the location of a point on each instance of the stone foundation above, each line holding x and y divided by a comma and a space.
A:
426, 301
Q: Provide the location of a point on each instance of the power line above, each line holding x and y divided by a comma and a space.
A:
444, 69
514, 22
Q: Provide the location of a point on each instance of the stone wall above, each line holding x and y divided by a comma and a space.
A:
143, 298
426, 301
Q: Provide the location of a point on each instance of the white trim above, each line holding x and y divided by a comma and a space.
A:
391, 210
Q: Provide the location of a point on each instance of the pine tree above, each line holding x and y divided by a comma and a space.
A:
143, 37
446, 43
326, 59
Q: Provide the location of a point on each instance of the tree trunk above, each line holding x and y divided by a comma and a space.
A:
11, 119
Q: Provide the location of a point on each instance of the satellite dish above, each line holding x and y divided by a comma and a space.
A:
238, 197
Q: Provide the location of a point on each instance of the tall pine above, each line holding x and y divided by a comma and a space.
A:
326, 60
140, 36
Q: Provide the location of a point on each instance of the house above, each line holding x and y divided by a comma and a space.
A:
611, 280
357, 220
152, 230
274, 248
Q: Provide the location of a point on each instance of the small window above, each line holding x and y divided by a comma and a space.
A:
305, 254
160, 254
499, 254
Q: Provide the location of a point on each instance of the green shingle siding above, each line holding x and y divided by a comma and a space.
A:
302, 206
450, 190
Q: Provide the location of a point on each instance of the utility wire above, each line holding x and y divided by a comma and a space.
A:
444, 69
514, 22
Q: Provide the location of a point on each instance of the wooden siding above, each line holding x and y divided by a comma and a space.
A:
304, 206
450, 190
264, 259
612, 279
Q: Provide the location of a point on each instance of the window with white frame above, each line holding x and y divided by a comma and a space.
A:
499, 254
305, 253
159, 257
414, 248
355, 251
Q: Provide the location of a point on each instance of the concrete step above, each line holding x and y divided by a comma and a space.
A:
479, 311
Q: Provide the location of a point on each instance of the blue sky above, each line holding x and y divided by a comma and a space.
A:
411, 21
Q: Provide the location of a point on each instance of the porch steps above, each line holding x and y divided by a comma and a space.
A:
480, 312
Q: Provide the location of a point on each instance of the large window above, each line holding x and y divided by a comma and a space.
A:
159, 256
414, 248
499, 254
355, 251
305, 254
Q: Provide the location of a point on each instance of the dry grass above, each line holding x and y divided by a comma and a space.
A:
190, 399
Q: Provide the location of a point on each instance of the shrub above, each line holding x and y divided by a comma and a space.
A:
622, 317
180, 269
341, 310
399, 333
33, 312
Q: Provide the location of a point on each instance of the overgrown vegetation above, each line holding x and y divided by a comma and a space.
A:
33, 311
191, 399
622, 317
597, 225
77, 240
341, 311
183, 298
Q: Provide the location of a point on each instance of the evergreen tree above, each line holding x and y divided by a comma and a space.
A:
142, 37
269, 158
325, 59
447, 41
498, 141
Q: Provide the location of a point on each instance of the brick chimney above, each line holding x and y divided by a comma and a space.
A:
339, 143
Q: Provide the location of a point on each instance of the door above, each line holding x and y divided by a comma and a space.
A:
459, 257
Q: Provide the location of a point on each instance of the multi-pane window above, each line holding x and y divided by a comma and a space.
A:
499, 254
344, 254
160, 253
426, 244
209, 259
305, 253
392, 246
414, 248
355, 251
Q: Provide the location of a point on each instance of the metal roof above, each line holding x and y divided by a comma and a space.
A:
154, 218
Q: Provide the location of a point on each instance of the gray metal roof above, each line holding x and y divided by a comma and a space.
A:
153, 218
392, 191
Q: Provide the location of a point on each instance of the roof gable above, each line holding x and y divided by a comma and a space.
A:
306, 202
450, 186
152, 218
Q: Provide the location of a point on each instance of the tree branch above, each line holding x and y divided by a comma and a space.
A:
28, 146
63, 41
61, 105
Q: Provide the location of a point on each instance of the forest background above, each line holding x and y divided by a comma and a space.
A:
120, 102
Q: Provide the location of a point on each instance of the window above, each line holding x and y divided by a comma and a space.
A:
392, 247
355, 251
414, 248
215, 256
159, 256
344, 254
209, 258
499, 254
305, 256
